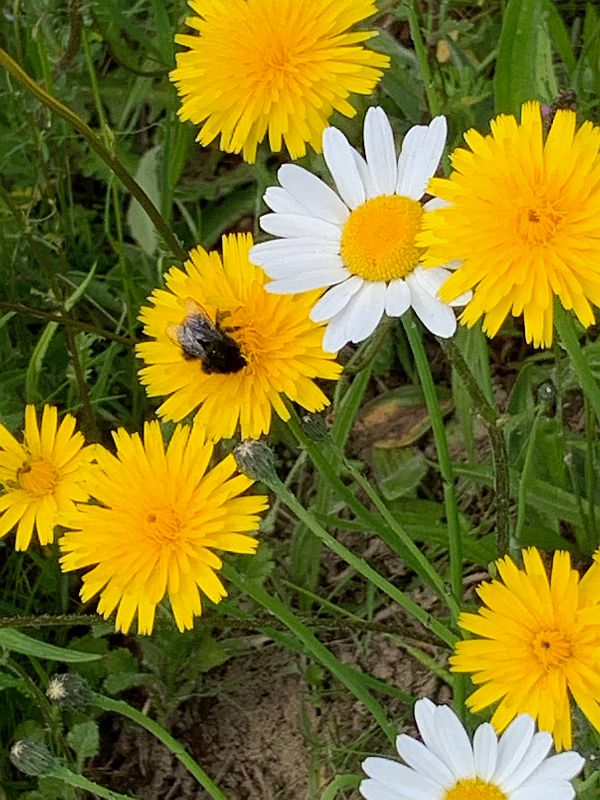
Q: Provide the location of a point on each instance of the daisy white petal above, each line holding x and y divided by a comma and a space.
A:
485, 751
298, 262
365, 174
446, 766
365, 311
335, 299
380, 151
306, 281
295, 225
437, 317
312, 194
397, 298
282, 202
270, 252
339, 158
421, 152
536, 753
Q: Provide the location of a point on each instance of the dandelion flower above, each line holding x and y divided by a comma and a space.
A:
447, 766
160, 514
42, 477
280, 348
537, 645
273, 67
523, 215
361, 241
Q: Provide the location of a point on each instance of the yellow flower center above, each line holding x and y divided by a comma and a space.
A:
537, 222
474, 789
38, 477
550, 648
379, 238
164, 525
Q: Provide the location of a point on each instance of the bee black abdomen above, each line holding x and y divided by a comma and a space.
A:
223, 357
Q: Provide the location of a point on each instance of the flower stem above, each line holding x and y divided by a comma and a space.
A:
392, 533
62, 773
345, 675
123, 708
568, 337
108, 156
491, 421
359, 564
423, 59
415, 340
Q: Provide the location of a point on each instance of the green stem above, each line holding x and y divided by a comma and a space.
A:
490, 419
423, 60
413, 334
108, 156
64, 774
359, 564
392, 533
123, 708
313, 646
565, 329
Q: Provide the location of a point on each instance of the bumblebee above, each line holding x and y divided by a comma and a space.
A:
201, 338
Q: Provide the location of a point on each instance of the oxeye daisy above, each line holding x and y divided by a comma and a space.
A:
537, 645
42, 477
276, 68
160, 514
522, 213
447, 766
261, 347
361, 241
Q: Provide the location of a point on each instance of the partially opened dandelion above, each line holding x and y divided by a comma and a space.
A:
447, 766
159, 516
537, 645
277, 69
42, 477
523, 216
269, 348
360, 241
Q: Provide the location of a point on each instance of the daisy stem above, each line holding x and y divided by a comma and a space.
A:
415, 340
348, 677
123, 708
359, 564
392, 533
491, 420
107, 155
563, 323
423, 59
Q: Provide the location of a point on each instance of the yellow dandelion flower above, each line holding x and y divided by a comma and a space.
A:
538, 645
273, 67
266, 346
523, 214
161, 513
42, 477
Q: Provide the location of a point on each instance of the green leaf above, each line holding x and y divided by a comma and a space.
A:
397, 471
18, 642
10, 681
524, 64
85, 741
141, 227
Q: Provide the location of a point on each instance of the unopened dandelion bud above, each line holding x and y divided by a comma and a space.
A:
69, 691
315, 427
255, 459
32, 757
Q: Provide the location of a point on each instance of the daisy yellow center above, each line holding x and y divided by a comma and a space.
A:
379, 238
164, 525
474, 789
550, 648
537, 223
38, 477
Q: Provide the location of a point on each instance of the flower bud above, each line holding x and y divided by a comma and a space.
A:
68, 691
256, 460
32, 757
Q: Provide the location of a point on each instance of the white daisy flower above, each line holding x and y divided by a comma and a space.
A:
360, 241
446, 766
